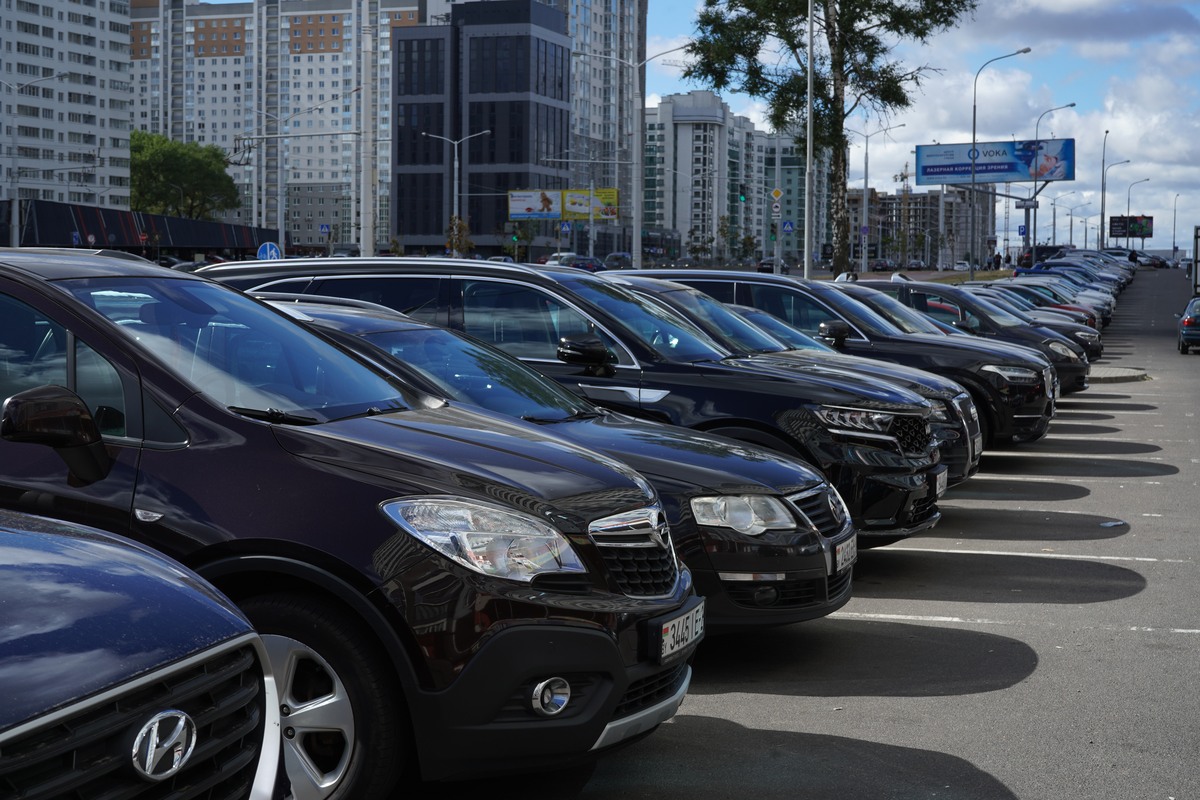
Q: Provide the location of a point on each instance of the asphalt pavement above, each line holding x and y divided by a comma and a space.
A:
1043, 641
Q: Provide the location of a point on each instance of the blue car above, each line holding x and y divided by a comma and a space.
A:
1189, 326
124, 674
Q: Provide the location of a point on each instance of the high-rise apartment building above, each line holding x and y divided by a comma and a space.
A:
65, 93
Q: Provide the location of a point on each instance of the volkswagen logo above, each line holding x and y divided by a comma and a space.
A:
163, 745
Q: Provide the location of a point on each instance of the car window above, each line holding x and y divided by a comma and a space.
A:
798, 310
942, 309
33, 352
415, 296
524, 321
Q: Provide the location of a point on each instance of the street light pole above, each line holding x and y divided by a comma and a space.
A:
1054, 217
1036, 149
1174, 225
975, 152
1103, 170
865, 235
1128, 198
1103, 193
14, 199
455, 219
1071, 215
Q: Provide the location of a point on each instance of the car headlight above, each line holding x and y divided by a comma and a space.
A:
940, 412
1087, 337
488, 539
748, 513
855, 419
1021, 375
1062, 350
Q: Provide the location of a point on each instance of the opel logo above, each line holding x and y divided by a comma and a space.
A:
163, 745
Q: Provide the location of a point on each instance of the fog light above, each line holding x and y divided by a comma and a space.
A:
766, 596
550, 697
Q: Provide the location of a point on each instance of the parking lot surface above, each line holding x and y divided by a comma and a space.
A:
1040, 642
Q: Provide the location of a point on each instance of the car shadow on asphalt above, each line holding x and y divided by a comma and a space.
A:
705, 758
1047, 466
1037, 526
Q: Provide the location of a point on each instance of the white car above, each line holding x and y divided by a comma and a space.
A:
962, 266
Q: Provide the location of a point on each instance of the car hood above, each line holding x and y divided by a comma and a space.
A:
485, 455
925, 384
680, 460
996, 351
816, 387
82, 611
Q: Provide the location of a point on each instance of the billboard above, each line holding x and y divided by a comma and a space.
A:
535, 204
1131, 227
598, 204
996, 162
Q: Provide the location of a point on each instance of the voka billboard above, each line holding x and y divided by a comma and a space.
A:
996, 162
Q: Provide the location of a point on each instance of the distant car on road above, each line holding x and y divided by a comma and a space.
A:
962, 266
1189, 326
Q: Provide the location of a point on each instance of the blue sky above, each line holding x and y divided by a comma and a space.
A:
1131, 68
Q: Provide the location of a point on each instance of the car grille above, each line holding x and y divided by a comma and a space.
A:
912, 433
824, 509
636, 547
84, 751
651, 690
789, 594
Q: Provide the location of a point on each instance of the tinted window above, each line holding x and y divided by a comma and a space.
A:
798, 310
417, 296
522, 320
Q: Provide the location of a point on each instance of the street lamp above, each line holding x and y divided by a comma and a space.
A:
1103, 194
1103, 150
1053, 219
638, 146
1037, 149
1071, 215
1174, 224
865, 229
456, 187
14, 230
1128, 197
974, 152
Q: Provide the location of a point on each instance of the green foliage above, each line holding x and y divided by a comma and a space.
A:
179, 179
760, 48
458, 237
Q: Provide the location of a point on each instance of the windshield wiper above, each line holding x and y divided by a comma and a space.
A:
274, 415
578, 415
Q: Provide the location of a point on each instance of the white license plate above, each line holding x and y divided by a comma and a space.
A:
941, 482
680, 632
846, 554
977, 441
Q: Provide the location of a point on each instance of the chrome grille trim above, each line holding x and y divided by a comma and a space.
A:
637, 549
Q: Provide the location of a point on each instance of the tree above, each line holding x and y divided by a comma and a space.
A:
760, 48
179, 179
458, 237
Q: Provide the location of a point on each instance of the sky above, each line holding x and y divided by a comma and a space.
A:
1131, 68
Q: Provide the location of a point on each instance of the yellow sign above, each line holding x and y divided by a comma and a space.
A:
777, 193
599, 204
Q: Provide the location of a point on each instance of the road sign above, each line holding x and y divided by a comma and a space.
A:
144, 237
1020, 230
269, 251
789, 226
1020, 204
777, 193
91, 238
564, 228
324, 229
75, 239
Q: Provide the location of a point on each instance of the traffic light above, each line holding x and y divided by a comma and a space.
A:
741, 193
774, 231
514, 236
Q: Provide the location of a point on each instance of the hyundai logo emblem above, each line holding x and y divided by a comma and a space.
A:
163, 745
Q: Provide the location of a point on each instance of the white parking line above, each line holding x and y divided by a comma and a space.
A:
983, 621
1138, 559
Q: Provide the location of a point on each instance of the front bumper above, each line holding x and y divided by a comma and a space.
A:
484, 724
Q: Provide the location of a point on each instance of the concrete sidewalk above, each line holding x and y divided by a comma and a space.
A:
1102, 374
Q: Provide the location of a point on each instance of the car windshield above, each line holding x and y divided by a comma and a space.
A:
661, 328
983, 307
471, 372
720, 322
238, 352
854, 311
898, 314
790, 335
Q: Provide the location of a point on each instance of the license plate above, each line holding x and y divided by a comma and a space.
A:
846, 554
941, 482
977, 441
680, 632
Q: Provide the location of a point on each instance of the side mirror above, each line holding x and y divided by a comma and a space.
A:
835, 331
58, 418
585, 351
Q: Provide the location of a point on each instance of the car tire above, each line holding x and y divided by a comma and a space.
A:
345, 734
1183, 348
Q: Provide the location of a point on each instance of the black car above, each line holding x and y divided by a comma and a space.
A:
871, 439
955, 420
124, 674
1013, 391
442, 590
767, 539
1072, 327
961, 308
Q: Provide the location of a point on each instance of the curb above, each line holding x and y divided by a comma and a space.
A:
1117, 375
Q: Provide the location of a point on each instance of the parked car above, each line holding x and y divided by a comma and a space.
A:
1185, 263
1013, 390
618, 260
1083, 335
962, 266
589, 263
444, 592
873, 442
766, 538
955, 422
1189, 326
125, 673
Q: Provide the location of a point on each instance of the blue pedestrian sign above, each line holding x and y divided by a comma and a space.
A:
324, 229
269, 250
565, 228
789, 226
